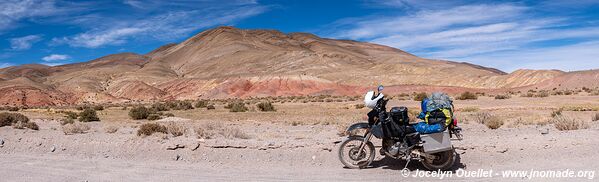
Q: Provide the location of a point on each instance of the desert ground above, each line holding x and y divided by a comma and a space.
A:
297, 142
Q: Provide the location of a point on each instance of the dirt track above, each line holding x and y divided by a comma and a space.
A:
147, 160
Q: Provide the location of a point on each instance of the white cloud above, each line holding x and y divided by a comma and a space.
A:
4, 65
163, 26
56, 57
11, 11
24, 43
95, 39
472, 32
581, 56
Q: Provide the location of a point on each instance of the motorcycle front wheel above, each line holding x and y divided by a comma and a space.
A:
350, 155
443, 161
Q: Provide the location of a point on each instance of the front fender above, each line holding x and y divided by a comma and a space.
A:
361, 125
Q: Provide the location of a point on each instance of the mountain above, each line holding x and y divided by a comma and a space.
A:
230, 62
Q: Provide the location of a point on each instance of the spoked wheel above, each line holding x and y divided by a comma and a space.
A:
350, 155
442, 161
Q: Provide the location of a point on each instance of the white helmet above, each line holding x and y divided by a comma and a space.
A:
369, 99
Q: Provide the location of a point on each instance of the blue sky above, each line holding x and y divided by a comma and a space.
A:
508, 35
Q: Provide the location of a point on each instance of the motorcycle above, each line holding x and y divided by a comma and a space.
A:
434, 150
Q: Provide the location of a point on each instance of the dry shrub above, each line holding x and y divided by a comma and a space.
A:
557, 112
467, 96
98, 107
469, 109
229, 132
595, 117
67, 120
210, 107
581, 108
213, 129
542, 94
180, 105
502, 97
420, 96
88, 115
266, 107
201, 104
564, 123
70, 114
491, 121
111, 129
23, 125
7, 119
138, 113
494, 122
75, 128
175, 129
153, 117
159, 107
148, 129
359, 106
237, 107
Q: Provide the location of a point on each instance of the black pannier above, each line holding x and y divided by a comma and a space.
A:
400, 115
397, 126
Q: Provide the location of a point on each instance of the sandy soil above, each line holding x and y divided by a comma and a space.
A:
296, 143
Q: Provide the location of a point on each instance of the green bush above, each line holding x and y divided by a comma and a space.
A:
266, 107
138, 113
237, 107
88, 115
7, 119
467, 96
148, 129
420, 96
201, 104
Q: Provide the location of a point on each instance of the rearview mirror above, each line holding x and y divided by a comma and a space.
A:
380, 88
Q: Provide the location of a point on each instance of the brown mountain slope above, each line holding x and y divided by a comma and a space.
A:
230, 62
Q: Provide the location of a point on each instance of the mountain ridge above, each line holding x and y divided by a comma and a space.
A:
230, 62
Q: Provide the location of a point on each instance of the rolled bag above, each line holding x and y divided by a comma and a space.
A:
434, 121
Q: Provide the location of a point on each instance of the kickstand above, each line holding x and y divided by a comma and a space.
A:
408, 161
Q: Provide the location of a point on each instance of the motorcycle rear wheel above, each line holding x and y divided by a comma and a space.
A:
444, 161
348, 153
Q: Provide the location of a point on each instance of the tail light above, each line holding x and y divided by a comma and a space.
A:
455, 122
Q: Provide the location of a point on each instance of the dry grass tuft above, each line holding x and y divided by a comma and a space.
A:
234, 133
469, 109
175, 129
213, 129
564, 123
420, 96
266, 107
491, 121
23, 125
75, 128
467, 96
111, 129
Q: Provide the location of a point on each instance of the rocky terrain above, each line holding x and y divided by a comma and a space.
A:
230, 62
298, 142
